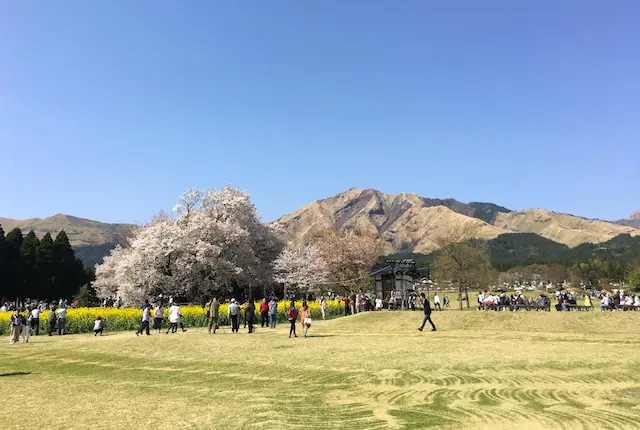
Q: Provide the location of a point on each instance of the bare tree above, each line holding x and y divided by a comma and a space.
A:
463, 262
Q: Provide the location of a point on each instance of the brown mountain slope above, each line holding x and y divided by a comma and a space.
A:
568, 229
410, 222
81, 231
404, 221
418, 228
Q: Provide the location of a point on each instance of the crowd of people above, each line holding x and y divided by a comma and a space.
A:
268, 311
500, 301
26, 321
566, 301
619, 300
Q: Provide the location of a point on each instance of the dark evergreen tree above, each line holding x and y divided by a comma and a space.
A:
13, 267
45, 267
68, 271
29, 267
3, 265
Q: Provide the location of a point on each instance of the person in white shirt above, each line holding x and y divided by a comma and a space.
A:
62, 321
636, 301
35, 320
481, 298
436, 302
174, 318
379, 304
323, 307
158, 315
146, 318
98, 326
234, 316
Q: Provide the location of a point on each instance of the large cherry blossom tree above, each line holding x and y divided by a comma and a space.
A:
215, 242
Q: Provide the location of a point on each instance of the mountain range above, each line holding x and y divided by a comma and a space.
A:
406, 222
81, 232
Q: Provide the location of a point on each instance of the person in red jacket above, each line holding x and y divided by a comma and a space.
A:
347, 308
264, 313
292, 316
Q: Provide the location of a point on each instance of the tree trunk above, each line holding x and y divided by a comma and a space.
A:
460, 295
466, 293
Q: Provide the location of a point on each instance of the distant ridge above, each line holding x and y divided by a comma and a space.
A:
408, 222
632, 221
81, 232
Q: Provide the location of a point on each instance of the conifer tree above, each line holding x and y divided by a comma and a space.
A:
13, 267
45, 267
29, 266
68, 271
3, 280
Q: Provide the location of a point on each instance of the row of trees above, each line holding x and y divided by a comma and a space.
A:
38, 269
216, 244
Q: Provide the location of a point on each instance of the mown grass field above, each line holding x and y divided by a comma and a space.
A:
480, 370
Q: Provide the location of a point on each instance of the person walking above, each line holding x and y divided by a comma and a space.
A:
427, 313
273, 312
146, 318
62, 321
174, 318
249, 314
26, 326
264, 313
446, 302
234, 316
180, 323
292, 316
436, 302
16, 326
52, 321
323, 307
243, 311
158, 316
214, 313
305, 318
35, 320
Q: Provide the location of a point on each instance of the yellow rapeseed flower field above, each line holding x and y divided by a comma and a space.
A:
80, 320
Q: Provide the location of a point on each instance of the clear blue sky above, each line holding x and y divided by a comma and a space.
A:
108, 110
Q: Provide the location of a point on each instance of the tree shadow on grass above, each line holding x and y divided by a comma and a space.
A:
321, 335
14, 374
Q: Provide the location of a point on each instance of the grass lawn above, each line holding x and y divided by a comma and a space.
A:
480, 370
